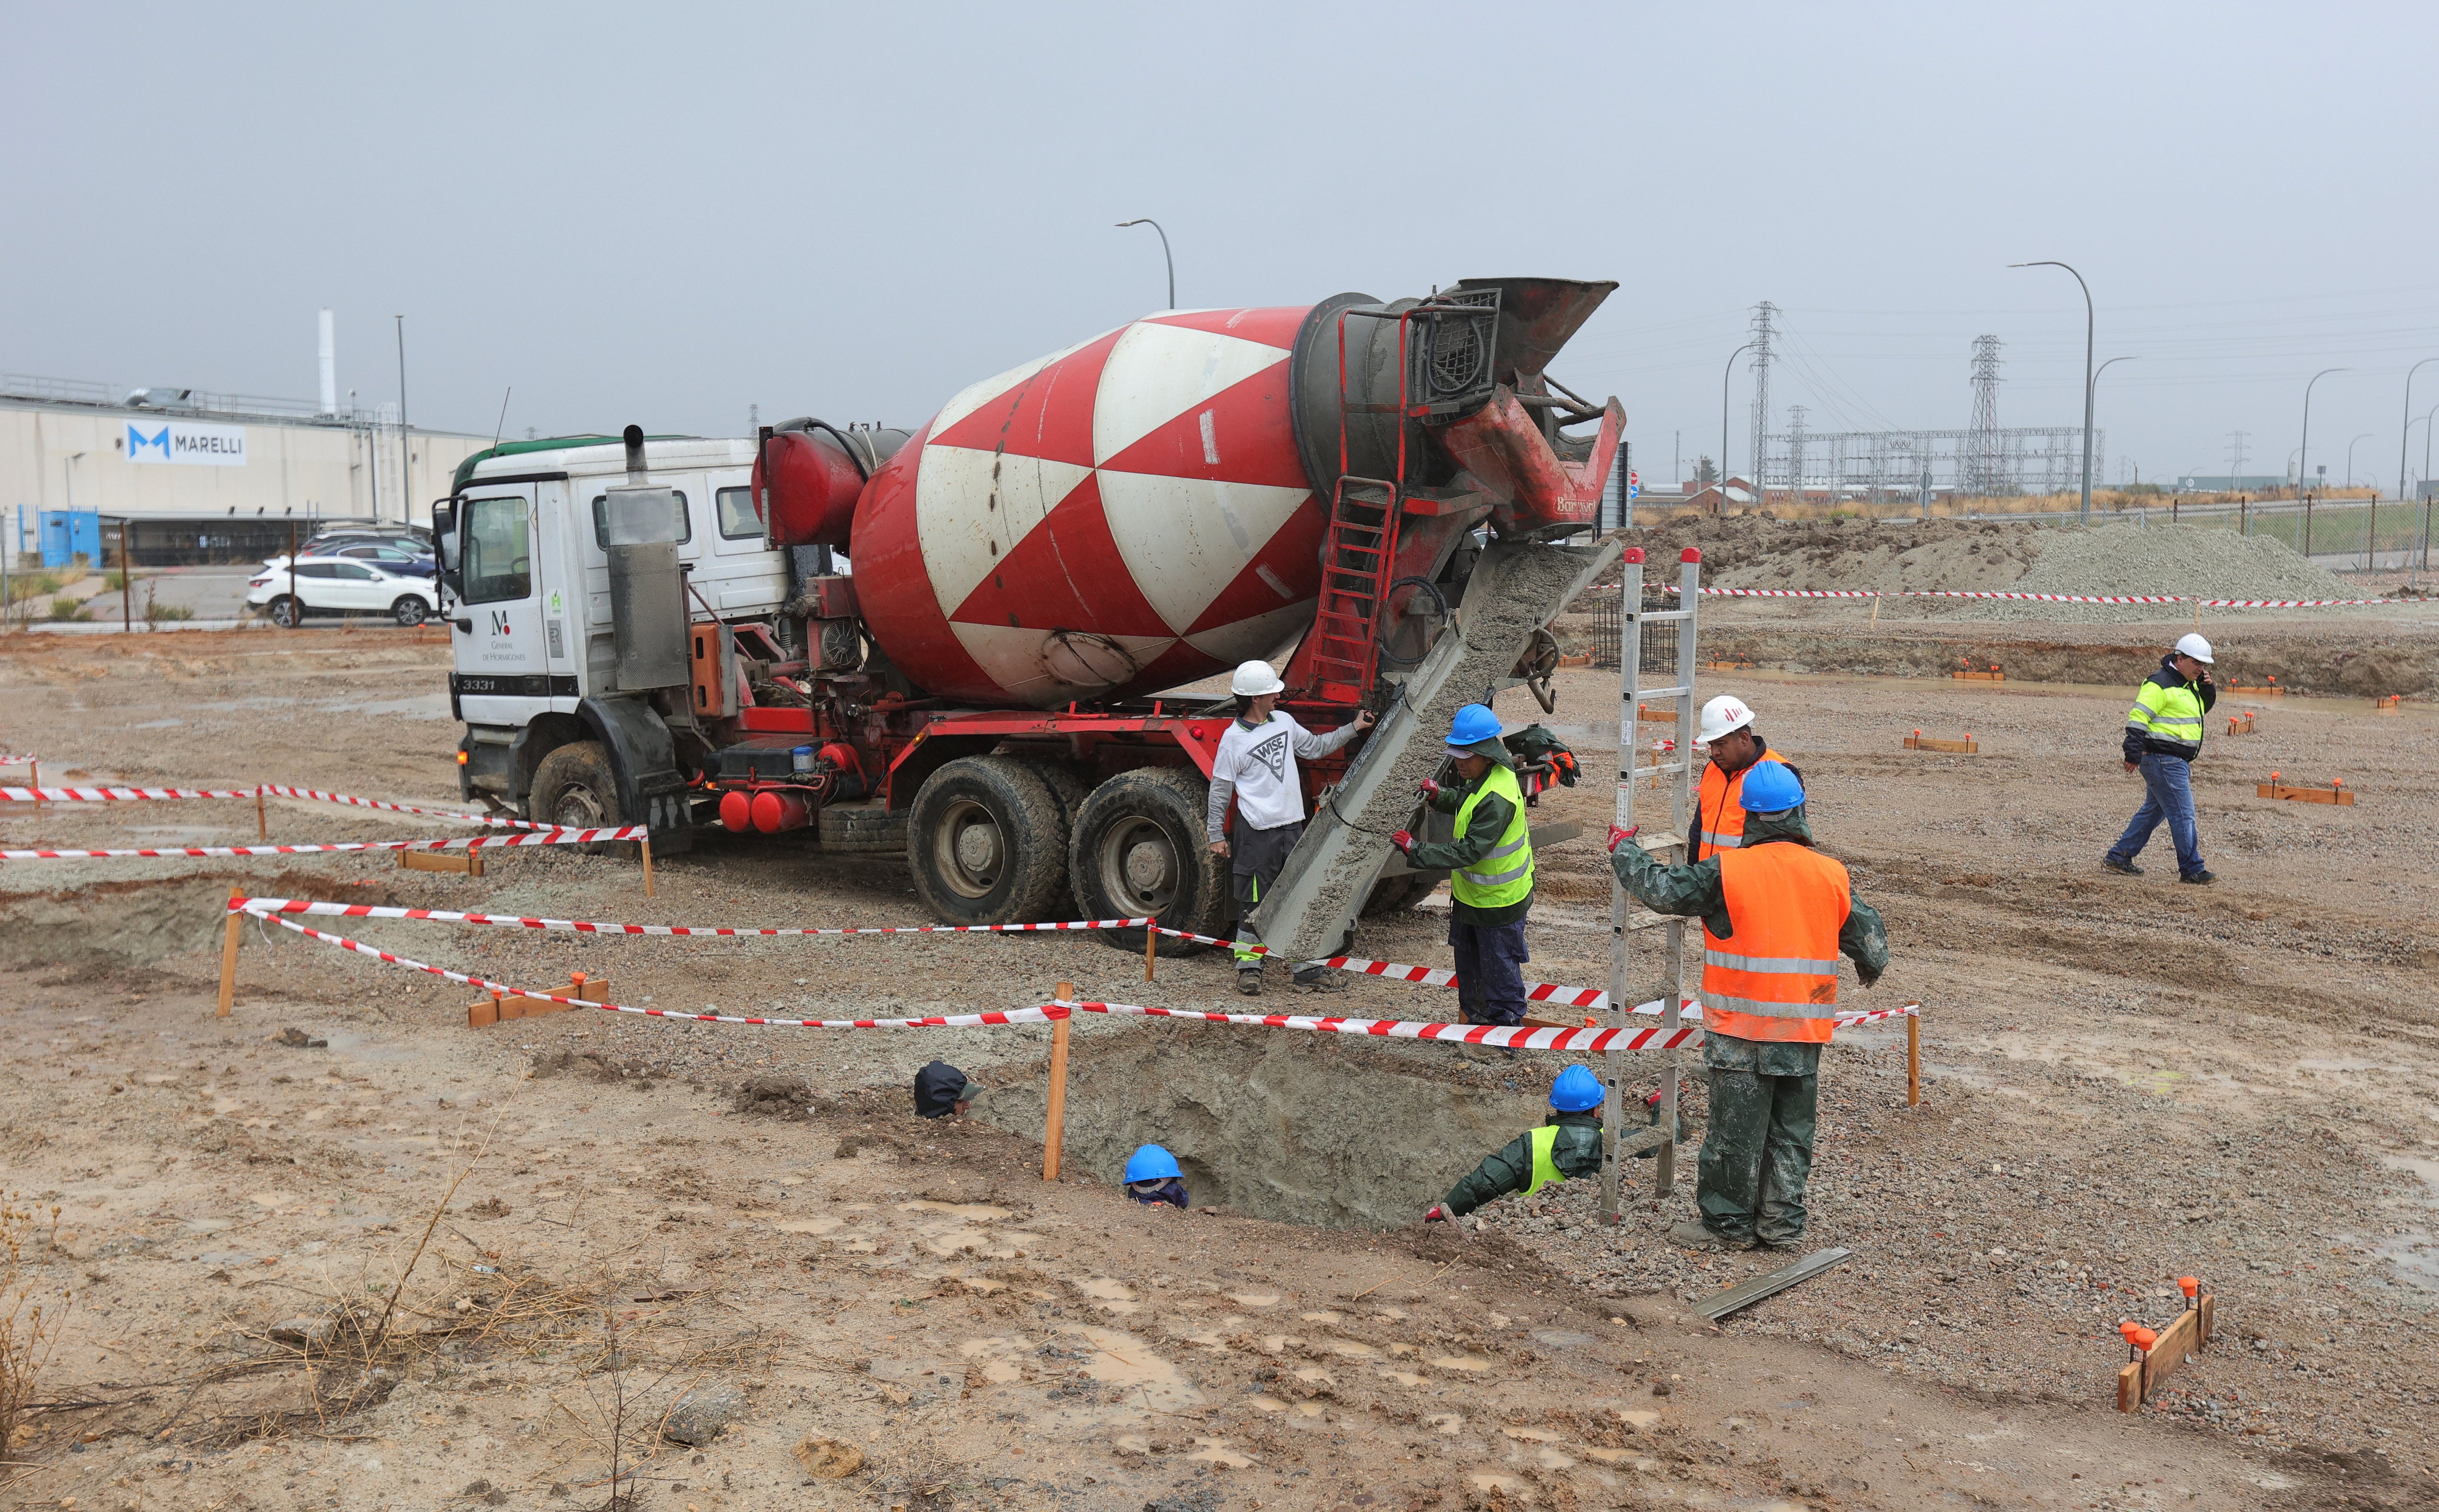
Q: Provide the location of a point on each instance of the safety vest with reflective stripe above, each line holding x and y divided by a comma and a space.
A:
1775, 977
2172, 716
1504, 875
1723, 808
1545, 1170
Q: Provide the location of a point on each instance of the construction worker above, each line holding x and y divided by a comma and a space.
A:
1776, 915
1255, 765
1726, 732
2163, 734
1490, 860
1568, 1144
1152, 1178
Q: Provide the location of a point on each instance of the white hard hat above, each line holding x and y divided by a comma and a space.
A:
2194, 647
1723, 715
1253, 679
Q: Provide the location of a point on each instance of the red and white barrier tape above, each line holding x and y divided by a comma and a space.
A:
1589, 1042
274, 908
540, 836
276, 791
2044, 599
115, 794
269, 906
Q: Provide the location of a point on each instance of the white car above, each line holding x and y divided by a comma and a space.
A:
341, 586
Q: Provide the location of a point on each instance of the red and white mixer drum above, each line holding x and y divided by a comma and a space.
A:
1118, 518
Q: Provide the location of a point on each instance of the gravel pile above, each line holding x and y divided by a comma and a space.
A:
2182, 560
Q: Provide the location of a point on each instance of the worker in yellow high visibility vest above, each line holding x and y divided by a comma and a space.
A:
2163, 735
1491, 866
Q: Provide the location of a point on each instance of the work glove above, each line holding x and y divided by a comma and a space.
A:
1428, 791
1403, 840
1439, 1213
1867, 978
1618, 835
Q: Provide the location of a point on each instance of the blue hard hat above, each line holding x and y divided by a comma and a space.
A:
1151, 1163
1576, 1090
1769, 787
1474, 724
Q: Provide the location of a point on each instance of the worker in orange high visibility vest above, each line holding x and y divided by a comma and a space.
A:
1776, 915
1726, 733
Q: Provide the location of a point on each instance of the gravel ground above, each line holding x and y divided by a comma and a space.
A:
2126, 1081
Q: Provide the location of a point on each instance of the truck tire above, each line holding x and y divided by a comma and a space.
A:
987, 842
1138, 850
1396, 894
575, 787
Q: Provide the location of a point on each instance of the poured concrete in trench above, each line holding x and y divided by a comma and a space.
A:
1278, 1123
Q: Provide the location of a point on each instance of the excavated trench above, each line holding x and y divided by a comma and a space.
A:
1306, 1128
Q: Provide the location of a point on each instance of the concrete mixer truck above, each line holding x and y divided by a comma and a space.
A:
659, 629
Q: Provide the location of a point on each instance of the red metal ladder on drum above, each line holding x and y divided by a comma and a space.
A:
1360, 552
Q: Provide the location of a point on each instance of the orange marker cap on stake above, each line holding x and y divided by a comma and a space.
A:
2188, 1285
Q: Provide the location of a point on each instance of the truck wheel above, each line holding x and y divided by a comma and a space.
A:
986, 841
1139, 852
575, 787
1396, 894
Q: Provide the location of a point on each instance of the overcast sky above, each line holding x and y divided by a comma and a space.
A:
665, 214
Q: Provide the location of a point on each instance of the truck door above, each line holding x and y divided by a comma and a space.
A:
503, 676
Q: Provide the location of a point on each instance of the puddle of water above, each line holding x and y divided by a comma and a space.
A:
964, 1212
1253, 1299
1122, 1360
1470, 1363
206, 1225
1215, 1451
1393, 1314
1106, 1289
1403, 1377
1493, 1482
1446, 1422
1319, 1317
1266, 1404
1314, 1376
1349, 1348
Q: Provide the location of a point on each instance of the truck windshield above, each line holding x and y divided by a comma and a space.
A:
499, 550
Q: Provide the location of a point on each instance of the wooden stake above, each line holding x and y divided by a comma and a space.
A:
1055, 1126
262, 819
648, 867
1876, 609
1151, 941
229, 955
1913, 1056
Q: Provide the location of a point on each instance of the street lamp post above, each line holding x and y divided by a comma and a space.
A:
2304, 452
2408, 423
1725, 374
1164, 254
2350, 456
2087, 377
2095, 382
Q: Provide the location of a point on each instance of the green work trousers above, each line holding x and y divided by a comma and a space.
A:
1758, 1154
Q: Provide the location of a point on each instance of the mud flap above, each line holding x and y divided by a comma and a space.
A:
643, 757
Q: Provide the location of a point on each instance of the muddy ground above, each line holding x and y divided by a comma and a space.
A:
2126, 1081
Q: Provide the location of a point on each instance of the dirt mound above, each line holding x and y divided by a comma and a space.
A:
1902, 556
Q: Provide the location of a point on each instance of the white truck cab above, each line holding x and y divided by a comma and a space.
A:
528, 567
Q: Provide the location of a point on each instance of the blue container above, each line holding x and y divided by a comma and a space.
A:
804, 755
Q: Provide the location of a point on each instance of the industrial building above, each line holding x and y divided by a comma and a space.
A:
208, 476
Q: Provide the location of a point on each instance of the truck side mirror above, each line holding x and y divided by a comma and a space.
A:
444, 542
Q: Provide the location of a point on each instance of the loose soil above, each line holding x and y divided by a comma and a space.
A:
2126, 1081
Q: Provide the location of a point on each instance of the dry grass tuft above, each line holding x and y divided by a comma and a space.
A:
28, 1329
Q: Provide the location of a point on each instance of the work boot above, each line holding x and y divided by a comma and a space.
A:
2124, 868
2205, 877
1696, 1234
1320, 979
1249, 981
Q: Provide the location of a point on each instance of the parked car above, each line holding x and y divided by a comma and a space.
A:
342, 585
382, 554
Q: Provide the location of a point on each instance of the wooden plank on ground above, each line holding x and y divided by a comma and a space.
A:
1719, 1303
2191, 1330
1924, 742
2337, 795
468, 865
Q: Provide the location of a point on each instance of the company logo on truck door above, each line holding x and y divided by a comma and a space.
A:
499, 622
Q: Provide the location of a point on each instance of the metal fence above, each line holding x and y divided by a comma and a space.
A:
1608, 630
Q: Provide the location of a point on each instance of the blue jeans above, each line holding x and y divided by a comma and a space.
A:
1490, 982
2167, 793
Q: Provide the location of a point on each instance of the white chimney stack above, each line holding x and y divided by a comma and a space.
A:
329, 366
